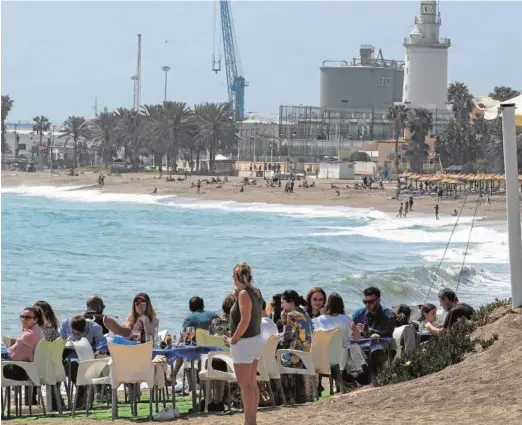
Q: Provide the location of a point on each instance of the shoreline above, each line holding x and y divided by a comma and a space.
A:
319, 196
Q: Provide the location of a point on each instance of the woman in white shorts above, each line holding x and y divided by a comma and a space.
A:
246, 343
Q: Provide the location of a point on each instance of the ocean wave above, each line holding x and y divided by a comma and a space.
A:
86, 194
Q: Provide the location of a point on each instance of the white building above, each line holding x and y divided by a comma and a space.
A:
426, 64
336, 170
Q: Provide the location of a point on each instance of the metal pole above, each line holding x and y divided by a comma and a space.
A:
512, 201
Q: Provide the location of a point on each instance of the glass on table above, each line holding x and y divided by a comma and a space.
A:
191, 331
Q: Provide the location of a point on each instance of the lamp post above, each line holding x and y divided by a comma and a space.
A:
135, 79
165, 69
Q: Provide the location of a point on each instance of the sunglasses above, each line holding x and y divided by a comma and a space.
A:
26, 317
366, 302
140, 301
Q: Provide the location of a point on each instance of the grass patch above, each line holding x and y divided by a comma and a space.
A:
442, 351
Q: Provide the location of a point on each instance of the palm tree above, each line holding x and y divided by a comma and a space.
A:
461, 100
419, 122
102, 133
172, 129
7, 105
502, 93
77, 129
158, 145
217, 127
397, 114
41, 125
129, 131
457, 144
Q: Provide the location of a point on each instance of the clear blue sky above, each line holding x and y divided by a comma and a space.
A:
57, 56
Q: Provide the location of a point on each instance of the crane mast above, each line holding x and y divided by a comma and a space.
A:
236, 83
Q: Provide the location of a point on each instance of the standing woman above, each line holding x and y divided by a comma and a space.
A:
246, 343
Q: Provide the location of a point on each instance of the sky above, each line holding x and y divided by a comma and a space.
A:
57, 57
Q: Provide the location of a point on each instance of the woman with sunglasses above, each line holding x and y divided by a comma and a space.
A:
25, 346
142, 319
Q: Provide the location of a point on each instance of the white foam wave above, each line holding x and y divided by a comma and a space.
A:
83, 194
488, 242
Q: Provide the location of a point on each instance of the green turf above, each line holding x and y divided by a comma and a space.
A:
102, 412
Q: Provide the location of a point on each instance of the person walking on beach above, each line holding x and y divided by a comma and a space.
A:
411, 203
246, 343
400, 211
437, 211
198, 186
406, 208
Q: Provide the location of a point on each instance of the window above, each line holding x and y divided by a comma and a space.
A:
21, 146
385, 81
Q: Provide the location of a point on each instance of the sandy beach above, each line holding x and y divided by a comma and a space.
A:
144, 183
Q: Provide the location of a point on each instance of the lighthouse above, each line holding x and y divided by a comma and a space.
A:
426, 65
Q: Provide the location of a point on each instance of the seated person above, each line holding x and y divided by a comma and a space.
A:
220, 325
455, 309
142, 318
78, 327
335, 317
198, 317
25, 345
380, 320
94, 311
427, 317
268, 326
297, 335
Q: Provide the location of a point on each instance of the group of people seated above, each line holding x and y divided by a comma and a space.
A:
288, 315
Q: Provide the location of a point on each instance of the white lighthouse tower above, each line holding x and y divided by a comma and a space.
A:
426, 64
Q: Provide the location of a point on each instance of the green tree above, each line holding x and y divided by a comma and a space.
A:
461, 100
217, 126
7, 105
457, 144
128, 133
41, 125
503, 93
75, 128
101, 131
397, 115
419, 123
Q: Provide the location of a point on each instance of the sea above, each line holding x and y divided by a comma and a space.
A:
61, 244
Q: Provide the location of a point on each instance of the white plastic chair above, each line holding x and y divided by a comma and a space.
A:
405, 339
41, 358
130, 364
269, 369
89, 368
337, 356
306, 359
53, 372
210, 374
8, 341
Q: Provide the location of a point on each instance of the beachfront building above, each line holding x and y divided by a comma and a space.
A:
336, 170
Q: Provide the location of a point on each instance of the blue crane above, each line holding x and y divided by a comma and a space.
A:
235, 81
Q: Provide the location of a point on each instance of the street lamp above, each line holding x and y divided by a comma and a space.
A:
165, 69
135, 79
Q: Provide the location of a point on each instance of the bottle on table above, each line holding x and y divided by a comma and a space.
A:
366, 331
143, 337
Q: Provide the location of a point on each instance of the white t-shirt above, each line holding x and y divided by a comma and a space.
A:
268, 328
342, 321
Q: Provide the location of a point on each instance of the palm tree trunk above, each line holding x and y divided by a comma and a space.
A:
396, 160
197, 161
75, 159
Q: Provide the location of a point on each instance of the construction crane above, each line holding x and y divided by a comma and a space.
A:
236, 83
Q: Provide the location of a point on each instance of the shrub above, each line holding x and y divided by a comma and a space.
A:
442, 351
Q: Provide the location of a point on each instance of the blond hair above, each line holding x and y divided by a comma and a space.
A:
243, 273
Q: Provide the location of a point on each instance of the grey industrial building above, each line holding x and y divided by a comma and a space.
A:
363, 84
